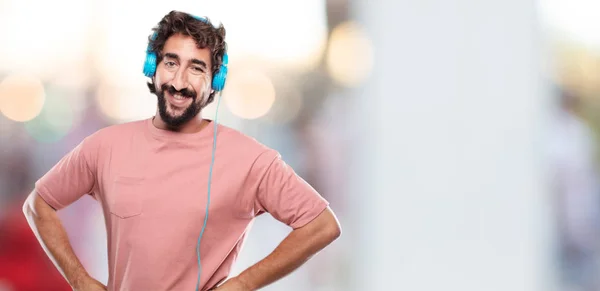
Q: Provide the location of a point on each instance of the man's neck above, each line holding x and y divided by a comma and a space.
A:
192, 126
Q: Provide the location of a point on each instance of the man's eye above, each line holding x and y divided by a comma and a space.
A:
170, 64
198, 70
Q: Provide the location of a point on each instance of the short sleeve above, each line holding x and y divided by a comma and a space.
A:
71, 178
285, 195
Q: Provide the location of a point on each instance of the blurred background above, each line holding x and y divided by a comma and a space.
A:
456, 140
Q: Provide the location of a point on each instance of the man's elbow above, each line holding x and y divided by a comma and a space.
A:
332, 229
324, 229
335, 231
36, 208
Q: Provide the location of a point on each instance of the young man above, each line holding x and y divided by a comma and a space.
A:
152, 179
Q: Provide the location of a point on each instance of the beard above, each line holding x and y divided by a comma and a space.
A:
177, 120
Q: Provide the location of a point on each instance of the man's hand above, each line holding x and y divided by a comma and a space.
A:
90, 284
297, 248
233, 284
49, 231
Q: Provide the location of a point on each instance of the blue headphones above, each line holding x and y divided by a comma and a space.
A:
218, 81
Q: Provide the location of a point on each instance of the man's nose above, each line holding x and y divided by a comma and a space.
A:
180, 80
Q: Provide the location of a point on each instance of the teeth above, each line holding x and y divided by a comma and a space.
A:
179, 97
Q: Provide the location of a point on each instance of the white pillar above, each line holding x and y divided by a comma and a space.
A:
449, 188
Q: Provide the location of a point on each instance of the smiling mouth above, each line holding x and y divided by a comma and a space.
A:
178, 100
180, 97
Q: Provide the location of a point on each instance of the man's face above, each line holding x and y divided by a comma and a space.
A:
182, 80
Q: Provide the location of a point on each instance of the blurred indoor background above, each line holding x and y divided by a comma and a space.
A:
456, 140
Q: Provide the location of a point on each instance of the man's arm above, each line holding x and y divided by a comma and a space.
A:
48, 229
297, 248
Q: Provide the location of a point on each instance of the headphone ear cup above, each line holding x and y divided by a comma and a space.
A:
150, 62
218, 82
150, 65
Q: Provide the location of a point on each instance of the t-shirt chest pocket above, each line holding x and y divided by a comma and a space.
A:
126, 195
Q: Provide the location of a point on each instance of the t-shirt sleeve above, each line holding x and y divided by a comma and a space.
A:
72, 177
285, 195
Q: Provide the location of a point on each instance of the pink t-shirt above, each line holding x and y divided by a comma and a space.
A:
152, 186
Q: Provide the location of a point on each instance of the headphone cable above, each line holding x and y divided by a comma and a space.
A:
208, 192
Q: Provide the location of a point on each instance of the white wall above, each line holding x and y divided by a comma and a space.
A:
450, 192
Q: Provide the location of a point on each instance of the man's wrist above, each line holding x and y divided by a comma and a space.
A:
244, 282
79, 280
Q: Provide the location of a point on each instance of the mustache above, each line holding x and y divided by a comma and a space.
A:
183, 92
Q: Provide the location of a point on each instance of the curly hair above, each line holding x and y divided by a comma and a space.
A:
204, 33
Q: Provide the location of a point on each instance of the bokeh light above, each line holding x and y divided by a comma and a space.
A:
289, 101
22, 97
577, 69
249, 93
54, 121
125, 103
349, 55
